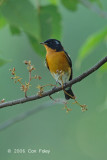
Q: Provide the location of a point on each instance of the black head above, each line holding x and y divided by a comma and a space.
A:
54, 44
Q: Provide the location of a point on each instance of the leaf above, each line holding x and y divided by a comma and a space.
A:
21, 14
50, 22
91, 43
104, 67
14, 30
2, 62
50, 26
37, 46
70, 4
2, 21
73, 4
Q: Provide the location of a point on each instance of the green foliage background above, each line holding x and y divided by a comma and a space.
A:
83, 33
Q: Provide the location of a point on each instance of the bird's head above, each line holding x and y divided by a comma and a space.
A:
53, 44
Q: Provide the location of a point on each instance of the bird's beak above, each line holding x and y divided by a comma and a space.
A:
43, 43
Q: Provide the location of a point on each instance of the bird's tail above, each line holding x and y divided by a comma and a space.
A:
70, 92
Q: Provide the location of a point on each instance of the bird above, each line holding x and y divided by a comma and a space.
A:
59, 64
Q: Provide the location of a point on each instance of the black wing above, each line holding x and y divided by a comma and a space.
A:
70, 63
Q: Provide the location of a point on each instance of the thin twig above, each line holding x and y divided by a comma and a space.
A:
26, 114
94, 8
52, 91
30, 77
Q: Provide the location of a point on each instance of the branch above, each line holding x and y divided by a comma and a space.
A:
52, 91
94, 8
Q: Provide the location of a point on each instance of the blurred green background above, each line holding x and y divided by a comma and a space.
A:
83, 33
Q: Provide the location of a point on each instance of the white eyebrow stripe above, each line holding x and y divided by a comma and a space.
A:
57, 42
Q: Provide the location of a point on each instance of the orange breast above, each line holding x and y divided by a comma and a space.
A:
57, 61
